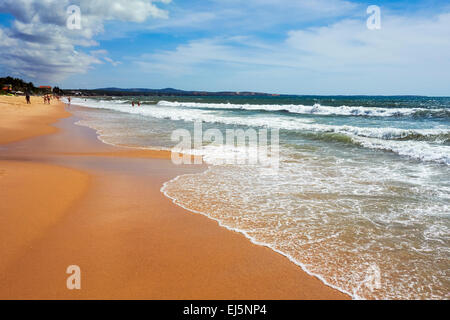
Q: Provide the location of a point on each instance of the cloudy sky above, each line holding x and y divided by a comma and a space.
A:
281, 46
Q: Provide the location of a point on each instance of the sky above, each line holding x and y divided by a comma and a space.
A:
319, 47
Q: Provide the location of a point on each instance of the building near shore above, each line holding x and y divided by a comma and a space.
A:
47, 88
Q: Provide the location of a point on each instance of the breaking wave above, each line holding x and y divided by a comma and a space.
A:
318, 109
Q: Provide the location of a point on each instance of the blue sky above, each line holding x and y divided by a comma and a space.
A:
280, 46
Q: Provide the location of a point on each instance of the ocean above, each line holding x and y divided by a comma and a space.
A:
361, 198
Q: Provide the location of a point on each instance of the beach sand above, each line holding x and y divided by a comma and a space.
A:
68, 199
20, 121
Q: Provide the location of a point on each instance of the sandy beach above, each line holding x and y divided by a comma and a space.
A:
68, 199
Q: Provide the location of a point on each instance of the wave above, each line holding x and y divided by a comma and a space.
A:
386, 133
418, 150
414, 149
414, 143
318, 109
440, 136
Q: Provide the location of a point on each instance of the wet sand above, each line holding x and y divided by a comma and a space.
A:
68, 199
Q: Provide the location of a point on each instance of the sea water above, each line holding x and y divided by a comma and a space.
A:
361, 199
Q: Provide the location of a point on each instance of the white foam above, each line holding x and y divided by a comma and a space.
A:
416, 149
315, 109
275, 122
335, 220
316, 203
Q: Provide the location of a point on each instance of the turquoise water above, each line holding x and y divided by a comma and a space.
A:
361, 198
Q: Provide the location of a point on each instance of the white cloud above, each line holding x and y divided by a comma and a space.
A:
114, 63
409, 55
39, 45
402, 41
220, 16
102, 54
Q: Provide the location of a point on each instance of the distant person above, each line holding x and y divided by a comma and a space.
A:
139, 103
132, 103
69, 99
27, 97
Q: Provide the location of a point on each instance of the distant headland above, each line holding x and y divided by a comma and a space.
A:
160, 92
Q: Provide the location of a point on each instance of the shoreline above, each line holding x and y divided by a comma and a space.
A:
255, 242
147, 236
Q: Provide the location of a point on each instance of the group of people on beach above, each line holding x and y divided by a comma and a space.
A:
47, 99
133, 103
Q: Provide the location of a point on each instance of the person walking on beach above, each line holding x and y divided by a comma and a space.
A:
27, 97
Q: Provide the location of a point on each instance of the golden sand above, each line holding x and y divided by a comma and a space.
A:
20, 121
